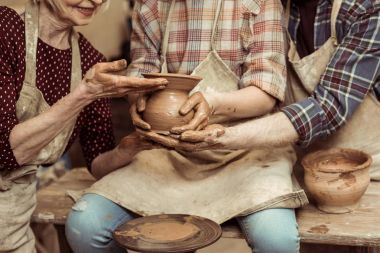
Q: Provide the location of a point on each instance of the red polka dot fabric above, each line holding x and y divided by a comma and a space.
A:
94, 126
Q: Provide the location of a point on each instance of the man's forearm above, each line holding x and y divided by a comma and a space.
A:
271, 131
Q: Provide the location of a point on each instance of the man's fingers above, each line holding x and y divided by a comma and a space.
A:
193, 136
163, 140
136, 118
220, 130
195, 147
201, 136
210, 134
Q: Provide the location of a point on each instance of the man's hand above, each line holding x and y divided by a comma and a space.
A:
210, 134
194, 140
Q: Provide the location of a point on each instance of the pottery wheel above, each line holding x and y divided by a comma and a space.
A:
167, 233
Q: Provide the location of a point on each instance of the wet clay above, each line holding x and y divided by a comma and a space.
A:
337, 178
321, 229
162, 109
167, 231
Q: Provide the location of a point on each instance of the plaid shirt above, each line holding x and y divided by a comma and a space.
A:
249, 39
352, 72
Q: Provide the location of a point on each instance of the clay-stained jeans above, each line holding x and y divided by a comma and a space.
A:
93, 218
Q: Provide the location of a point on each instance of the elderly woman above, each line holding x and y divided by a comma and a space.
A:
46, 102
237, 47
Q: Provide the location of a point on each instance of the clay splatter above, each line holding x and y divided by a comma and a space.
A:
321, 229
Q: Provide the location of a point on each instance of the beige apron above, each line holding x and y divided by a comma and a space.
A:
219, 184
361, 131
18, 187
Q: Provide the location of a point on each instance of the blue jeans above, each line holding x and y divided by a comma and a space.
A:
93, 218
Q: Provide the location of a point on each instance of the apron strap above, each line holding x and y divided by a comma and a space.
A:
31, 41
287, 14
165, 41
76, 68
334, 16
215, 24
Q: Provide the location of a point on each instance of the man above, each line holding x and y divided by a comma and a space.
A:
334, 58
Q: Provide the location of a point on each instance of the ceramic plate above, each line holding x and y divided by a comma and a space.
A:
167, 233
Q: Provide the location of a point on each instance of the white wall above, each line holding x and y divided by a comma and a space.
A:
107, 32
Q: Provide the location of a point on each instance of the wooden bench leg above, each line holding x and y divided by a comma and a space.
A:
64, 246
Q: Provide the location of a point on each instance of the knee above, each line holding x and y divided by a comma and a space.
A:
91, 222
272, 231
82, 226
272, 240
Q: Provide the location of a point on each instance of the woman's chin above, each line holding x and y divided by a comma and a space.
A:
80, 21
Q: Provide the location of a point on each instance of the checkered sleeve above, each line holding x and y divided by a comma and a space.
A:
350, 75
145, 38
265, 65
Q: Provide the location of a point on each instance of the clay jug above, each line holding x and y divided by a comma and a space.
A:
337, 178
162, 109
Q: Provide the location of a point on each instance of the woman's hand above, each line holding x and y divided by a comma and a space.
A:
122, 155
199, 104
103, 80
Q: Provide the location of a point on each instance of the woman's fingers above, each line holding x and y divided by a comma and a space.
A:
113, 80
107, 74
110, 66
136, 118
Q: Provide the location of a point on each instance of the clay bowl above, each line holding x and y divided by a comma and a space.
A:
337, 178
162, 109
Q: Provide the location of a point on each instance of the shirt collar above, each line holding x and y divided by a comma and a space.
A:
253, 6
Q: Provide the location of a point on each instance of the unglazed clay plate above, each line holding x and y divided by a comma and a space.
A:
167, 233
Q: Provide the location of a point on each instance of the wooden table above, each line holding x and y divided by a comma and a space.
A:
360, 228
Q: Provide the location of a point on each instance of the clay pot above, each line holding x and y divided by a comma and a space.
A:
162, 109
337, 178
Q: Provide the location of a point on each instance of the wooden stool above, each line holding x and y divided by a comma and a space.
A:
173, 233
